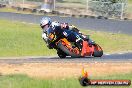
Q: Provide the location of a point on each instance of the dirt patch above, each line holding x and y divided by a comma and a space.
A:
129, 15
56, 70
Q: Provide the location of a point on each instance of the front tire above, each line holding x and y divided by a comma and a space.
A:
98, 52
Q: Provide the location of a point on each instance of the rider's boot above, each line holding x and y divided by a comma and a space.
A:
82, 45
84, 48
79, 44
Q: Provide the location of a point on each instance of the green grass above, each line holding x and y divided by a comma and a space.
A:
23, 81
130, 1
129, 9
21, 39
7, 10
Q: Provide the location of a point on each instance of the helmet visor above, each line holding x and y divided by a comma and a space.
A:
45, 27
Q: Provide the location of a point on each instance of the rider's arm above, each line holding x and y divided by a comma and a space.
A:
74, 28
44, 36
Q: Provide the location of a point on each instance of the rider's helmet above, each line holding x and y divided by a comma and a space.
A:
55, 24
45, 21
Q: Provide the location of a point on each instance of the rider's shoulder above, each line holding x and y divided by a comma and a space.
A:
55, 23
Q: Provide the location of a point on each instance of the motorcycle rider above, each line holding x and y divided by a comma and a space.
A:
75, 29
71, 31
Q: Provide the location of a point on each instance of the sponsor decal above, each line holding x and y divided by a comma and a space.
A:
86, 81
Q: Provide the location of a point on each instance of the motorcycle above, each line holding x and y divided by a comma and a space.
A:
65, 47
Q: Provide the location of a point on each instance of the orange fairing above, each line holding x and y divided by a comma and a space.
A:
69, 46
98, 48
85, 49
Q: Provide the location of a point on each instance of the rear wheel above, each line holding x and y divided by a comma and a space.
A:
66, 50
61, 54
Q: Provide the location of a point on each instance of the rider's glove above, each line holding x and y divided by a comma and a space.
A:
74, 28
44, 36
49, 46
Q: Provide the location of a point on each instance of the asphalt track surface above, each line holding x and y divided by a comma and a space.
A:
113, 58
109, 25
114, 26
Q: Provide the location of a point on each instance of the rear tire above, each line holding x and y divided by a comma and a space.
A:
64, 49
61, 54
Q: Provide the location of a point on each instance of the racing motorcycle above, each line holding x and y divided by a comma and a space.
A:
66, 47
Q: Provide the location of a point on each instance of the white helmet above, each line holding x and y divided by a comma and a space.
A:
55, 24
45, 21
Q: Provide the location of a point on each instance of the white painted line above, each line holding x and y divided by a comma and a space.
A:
27, 23
121, 53
106, 54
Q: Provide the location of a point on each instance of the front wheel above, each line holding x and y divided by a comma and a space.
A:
98, 52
